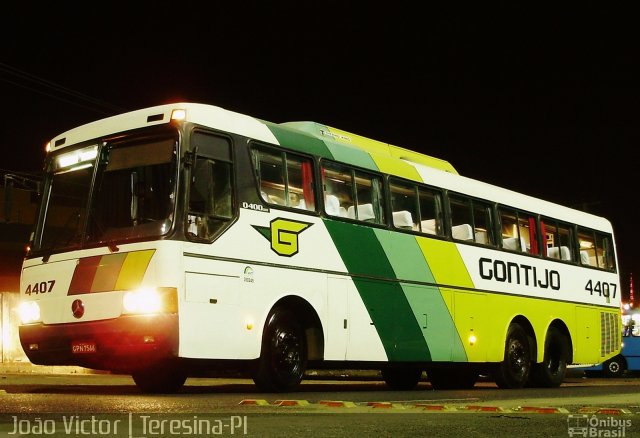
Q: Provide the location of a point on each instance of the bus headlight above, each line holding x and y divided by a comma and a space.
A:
29, 312
151, 300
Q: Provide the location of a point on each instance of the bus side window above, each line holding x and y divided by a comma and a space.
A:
549, 230
369, 200
604, 252
461, 219
483, 223
587, 245
300, 183
527, 227
210, 201
285, 178
338, 189
510, 231
352, 194
557, 240
565, 240
430, 202
471, 220
271, 175
404, 206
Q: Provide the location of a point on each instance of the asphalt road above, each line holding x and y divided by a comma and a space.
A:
109, 405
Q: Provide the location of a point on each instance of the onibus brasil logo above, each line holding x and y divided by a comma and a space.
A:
283, 235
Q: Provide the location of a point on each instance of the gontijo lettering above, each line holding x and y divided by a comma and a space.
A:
518, 273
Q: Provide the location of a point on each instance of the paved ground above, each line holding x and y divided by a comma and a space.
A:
29, 368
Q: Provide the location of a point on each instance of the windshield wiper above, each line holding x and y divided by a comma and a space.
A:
48, 252
93, 218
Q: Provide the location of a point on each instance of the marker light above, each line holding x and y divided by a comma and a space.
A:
472, 339
150, 300
47, 147
178, 114
29, 312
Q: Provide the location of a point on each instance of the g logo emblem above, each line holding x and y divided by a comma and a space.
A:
283, 235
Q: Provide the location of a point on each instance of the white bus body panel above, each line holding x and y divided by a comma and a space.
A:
232, 284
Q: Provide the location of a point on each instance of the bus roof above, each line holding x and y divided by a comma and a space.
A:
324, 132
328, 142
319, 139
501, 195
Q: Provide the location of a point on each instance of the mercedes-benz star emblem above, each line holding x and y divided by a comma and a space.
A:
77, 308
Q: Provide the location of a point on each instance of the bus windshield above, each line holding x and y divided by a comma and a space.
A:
124, 191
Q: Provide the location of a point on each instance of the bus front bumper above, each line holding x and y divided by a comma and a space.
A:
122, 344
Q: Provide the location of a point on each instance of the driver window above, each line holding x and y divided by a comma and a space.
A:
211, 195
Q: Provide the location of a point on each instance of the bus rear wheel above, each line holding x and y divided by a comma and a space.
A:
551, 372
283, 359
401, 378
513, 371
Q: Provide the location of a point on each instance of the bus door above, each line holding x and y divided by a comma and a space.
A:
338, 318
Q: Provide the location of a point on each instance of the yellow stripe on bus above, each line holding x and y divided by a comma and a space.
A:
133, 269
445, 262
375, 147
396, 167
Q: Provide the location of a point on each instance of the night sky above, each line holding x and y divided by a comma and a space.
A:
541, 102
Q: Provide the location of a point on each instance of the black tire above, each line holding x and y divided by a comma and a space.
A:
165, 378
283, 359
551, 372
614, 367
513, 371
401, 378
453, 378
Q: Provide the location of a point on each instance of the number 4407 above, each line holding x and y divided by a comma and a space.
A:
40, 288
604, 289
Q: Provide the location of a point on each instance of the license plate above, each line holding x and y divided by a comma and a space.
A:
83, 347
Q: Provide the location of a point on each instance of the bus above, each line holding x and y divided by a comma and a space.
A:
629, 358
185, 238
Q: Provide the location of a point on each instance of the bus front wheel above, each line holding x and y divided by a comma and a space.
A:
164, 378
283, 358
513, 371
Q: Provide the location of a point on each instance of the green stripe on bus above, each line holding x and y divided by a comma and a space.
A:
360, 249
388, 307
436, 323
427, 303
299, 142
351, 155
405, 256
392, 317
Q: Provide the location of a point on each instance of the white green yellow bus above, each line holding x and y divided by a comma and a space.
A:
183, 238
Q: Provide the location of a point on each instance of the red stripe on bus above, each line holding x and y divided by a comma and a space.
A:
83, 275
